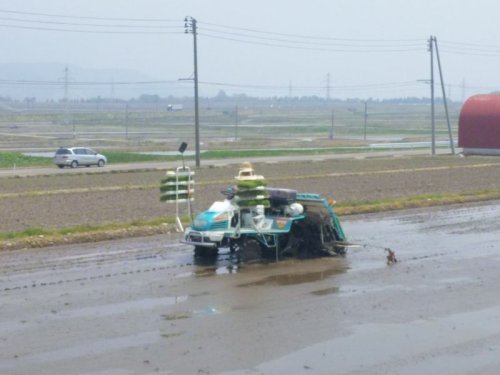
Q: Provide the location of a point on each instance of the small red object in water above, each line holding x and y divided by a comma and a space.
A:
391, 256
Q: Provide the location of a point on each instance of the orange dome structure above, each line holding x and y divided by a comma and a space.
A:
479, 125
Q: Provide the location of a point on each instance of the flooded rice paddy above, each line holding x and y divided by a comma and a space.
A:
146, 306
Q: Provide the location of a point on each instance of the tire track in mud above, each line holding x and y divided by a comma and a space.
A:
172, 258
135, 271
103, 276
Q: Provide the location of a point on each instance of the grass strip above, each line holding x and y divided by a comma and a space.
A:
10, 159
42, 237
39, 237
417, 201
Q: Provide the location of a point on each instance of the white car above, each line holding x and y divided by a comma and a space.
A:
78, 156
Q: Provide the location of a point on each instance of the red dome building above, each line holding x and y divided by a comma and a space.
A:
479, 125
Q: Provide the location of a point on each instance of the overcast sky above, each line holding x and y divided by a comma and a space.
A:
357, 48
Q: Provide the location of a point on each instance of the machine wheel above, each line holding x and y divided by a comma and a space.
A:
205, 252
250, 250
234, 245
340, 250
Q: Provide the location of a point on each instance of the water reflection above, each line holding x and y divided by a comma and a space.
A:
267, 272
297, 277
221, 264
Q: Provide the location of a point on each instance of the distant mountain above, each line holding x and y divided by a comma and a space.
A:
46, 81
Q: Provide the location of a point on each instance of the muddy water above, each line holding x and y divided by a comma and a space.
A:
146, 306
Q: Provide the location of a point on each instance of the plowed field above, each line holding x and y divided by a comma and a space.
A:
67, 200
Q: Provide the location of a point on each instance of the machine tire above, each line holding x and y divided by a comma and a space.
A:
205, 252
250, 250
340, 250
235, 245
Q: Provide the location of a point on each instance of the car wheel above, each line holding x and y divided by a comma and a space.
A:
100, 163
74, 164
60, 166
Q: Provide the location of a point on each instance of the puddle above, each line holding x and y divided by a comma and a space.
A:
286, 272
224, 263
213, 271
173, 334
122, 307
325, 292
207, 311
78, 351
176, 316
200, 294
294, 278
452, 344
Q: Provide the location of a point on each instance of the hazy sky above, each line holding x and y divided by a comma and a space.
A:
368, 48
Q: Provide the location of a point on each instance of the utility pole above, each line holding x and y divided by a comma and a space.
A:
191, 28
112, 93
463, 90
433, 122
66, 99
236, 120
333, 122
366, 119
66, 79
126, 120
450, 135
328, 87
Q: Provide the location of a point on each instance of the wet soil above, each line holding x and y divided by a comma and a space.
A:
146, 306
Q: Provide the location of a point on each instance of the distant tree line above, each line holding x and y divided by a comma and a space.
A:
222, 100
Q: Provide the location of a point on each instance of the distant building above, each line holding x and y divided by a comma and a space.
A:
174, 107
479, 125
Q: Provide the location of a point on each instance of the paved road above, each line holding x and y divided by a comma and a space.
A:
23, 172
144, 306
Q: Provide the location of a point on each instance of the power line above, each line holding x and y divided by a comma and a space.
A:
319, 42
472, 49
82, 83
87, 31
271, 87
87, 24
308, 48
465, 44
177, 85
313, 37
469, 53
89, 18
